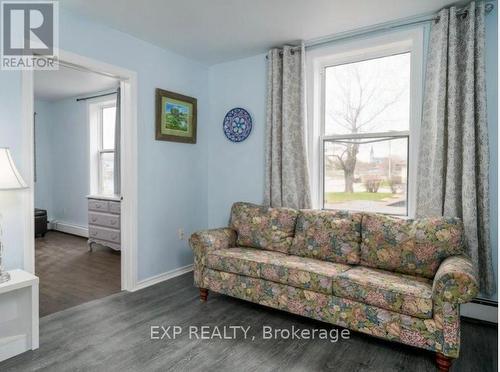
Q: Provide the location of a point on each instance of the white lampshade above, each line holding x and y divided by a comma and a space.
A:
9, 175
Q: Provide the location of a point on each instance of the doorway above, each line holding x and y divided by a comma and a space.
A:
126, 80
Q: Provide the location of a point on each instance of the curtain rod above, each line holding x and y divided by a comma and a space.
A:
96, 96
382, 26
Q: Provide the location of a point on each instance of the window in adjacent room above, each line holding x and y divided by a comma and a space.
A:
102, 147
365, 131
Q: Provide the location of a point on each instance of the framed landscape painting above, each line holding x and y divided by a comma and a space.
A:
175, 117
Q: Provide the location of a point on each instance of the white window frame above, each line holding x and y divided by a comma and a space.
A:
318, 59
95, 109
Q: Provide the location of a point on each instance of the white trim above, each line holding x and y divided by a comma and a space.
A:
162, 277
367, 135
416, 101
28, 153
94, 110
129, 208
129, 184
480, 312
318, 59
70, 228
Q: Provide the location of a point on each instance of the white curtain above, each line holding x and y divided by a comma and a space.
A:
287, 176
454, 155
117, 163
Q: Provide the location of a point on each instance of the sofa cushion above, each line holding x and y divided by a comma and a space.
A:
240, 260
263, 227
302, 272
295, 271
415, 247
328, 235
391, 291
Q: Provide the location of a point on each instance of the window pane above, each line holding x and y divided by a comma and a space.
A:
107, 169
368, 96
366, 176
108, 128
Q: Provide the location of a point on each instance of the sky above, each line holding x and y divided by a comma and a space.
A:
375, 96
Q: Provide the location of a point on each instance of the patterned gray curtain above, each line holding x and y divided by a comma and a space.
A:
454, 154
287, 176
117, 164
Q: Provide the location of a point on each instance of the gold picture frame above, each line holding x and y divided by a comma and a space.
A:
175, 117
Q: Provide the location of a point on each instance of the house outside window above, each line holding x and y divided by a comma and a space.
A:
363, 139
102, 146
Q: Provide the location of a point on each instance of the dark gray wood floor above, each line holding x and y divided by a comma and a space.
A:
71, 275
113, 334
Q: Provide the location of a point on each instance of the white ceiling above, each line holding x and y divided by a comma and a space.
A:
68, 82
213, 31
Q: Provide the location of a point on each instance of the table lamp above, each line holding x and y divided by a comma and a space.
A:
10, 179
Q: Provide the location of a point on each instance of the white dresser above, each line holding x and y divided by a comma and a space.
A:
104, 221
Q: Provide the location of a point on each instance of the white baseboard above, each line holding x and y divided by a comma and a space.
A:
69, 228
162, 277
478, 311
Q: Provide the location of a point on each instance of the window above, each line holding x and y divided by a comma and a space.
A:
107, 150
102, 147
366, 117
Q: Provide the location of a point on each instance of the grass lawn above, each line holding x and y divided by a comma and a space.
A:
336, 197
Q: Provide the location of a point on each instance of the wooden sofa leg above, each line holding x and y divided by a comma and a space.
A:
443, 362
203, 294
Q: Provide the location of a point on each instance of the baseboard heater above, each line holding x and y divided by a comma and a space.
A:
69, 228
481, 309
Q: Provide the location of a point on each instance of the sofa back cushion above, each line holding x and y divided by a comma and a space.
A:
328, 235
414, 247
262, 227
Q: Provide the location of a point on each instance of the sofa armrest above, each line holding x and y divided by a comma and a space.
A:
205, 241
455, 281
211, 240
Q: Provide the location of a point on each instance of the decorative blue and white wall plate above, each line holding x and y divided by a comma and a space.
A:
237, 124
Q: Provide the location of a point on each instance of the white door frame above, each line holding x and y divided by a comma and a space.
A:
129, 210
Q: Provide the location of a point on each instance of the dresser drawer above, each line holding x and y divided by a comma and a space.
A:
98, 205
114, 207
103, 219
104, 233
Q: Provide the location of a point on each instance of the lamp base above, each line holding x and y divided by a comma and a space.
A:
4, 277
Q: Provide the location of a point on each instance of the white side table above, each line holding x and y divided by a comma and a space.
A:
18, 314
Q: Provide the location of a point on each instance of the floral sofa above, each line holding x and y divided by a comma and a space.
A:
397, 279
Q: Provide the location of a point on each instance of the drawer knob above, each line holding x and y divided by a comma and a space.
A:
98, 206
115, 237
94, 219
113, 222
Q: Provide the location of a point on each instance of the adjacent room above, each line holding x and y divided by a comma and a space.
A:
263, 185
77, 214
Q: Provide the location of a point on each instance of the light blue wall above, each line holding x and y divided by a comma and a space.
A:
236, 170
188, 186
63, 149
43, 156
172, 176
492, 93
